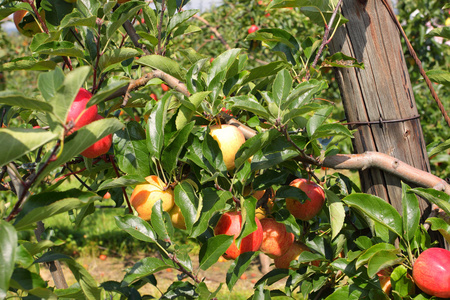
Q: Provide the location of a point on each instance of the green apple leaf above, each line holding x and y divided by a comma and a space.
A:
15, 99
411, 212
136, 227
212, 249
155, 129
367, 254
439, 198
144, 268
8, 240
163, 63
238, 268
382, 260
126, 180
187, 201
169, 158
281, 87
161, 222
337, 213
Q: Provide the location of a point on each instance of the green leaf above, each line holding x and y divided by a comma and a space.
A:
326, 130
126, 11
367, 254
401, 282
221, 65
273, 276
440, 225
440, 76
66, 94
87, 283
63, 48
126, 180
187, 201
164, 64
50, 82
82, 139
411, 212
114, 56
77, 19
281, 87
8, 240
238, 268
180, 18
440, 31
377, 209
45, 205
346, 292
439, 148
21, 141
249, 102
248, 219
158, 221
264, 71
188, 109
136, 227
110, 89
15, 99
382, 260
131, 151
28, 64
337, 213
439, 198
144, 268
317, 119
212, 201
155, 130
173, 150
213, 249
283, 216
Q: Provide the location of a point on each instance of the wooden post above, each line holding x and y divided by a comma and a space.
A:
380, 93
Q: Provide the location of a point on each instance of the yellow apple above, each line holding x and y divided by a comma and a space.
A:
177, 218
146, 195
230, 139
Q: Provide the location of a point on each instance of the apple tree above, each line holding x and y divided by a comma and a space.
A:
243, 133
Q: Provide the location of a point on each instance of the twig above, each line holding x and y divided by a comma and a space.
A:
53, 266
131, 31
79, 179
325, 40
182, 269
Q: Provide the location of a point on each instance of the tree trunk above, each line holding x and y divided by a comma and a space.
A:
379, 93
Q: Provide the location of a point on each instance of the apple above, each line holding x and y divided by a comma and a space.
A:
78, 114
145, 195
177, 218
253, 28
385, 280
103, 257
312, 206
291, 254
164, 87
230, 223
447, 22
230, 139
99, 147
276, 240
31, 27
431, 272
153, 96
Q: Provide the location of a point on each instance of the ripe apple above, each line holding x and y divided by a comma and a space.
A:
153, 96
312, 206
447, 22
31, 27
385, 280
177, 218
230, 223
276, 240
291, 254
431, 272
230, 139
145, 195
252, 28
99, 147
78, 113
164, 87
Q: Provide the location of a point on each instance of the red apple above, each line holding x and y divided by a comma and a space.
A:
78, 113
253, 28
431, 272
276, 240
291, 254
164, 87
230, 224
153, 96
312, 206
99, 147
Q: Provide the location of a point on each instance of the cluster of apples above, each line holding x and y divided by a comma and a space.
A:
79, 116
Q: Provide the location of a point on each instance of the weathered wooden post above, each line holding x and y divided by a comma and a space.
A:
379, 100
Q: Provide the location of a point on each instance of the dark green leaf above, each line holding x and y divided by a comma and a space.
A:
317, 119
136, 227
164, 64
250, 103
382, 260
8, 240
238, 268
118, 55
131, 151
281, 87
172, 151
143, 268
158, 221
44, 205
187, 201
411, 212
377, 209
439, 198
213, 249
248, 219
155, 130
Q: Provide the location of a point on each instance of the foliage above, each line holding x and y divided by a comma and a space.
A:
266, 80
